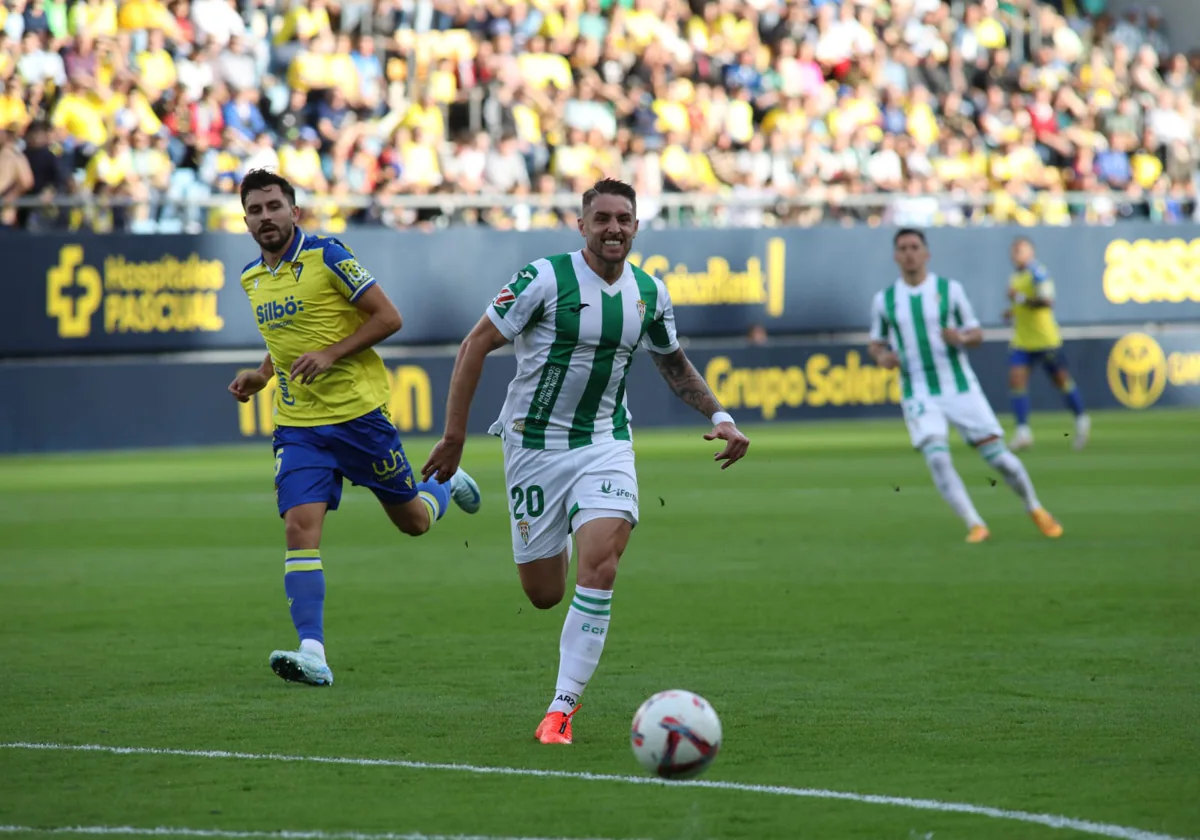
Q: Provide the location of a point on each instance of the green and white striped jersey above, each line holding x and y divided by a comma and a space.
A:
911, 319
575, 337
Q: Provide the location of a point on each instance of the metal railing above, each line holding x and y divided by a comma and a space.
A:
673, 208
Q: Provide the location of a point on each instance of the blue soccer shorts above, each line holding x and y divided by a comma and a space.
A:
310, 462
1053, 359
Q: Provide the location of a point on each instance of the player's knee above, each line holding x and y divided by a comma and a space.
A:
301, 534
545, 599
414, 526
600, 572
1017, 379
411, 518
993, 450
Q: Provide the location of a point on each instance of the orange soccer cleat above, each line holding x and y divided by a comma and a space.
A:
555, 728
1046, 523
978, 534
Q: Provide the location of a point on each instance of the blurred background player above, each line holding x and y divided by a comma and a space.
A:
576, 320
923, 325
321, 313
1036, 340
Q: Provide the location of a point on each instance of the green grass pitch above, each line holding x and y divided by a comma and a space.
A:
818, 594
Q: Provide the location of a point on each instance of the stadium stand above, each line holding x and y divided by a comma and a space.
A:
143, 115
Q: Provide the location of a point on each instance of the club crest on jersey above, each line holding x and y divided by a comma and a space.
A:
641, 307
523, 530
296, 269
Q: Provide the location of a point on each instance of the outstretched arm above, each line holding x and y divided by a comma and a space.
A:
687, 384
468, 367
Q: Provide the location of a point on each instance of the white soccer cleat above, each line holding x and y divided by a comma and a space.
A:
301, 666
1022, 439
465, 492
1083, 431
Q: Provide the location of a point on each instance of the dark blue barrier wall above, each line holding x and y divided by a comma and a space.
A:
124, 293
63, 406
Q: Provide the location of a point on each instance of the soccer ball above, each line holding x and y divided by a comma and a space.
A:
675, 734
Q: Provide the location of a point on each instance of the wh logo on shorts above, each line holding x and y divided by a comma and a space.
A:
523, 530
389, 467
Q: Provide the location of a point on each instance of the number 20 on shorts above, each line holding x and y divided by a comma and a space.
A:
530, 498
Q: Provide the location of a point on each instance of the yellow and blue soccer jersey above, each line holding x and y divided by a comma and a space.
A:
306, 304
1034, 327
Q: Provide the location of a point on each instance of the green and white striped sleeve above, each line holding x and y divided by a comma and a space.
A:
962, 314
880, 328
660, 335
522, 300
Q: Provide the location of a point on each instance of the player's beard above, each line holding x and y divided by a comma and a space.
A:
275, 238
607, 255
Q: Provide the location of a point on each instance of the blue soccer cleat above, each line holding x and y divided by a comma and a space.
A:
465, 492
301, 667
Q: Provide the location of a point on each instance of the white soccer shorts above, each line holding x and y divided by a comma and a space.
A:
970, 413
552, 491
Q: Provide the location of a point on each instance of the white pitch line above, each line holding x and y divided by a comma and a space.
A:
1050, 820
167, 831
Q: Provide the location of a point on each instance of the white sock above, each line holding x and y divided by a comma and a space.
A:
1010, 467
314, 647
948, 482
580, 646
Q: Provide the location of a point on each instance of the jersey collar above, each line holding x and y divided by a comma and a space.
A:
292, 253
929, 276
582, 265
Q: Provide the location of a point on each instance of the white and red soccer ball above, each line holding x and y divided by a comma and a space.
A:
675, 734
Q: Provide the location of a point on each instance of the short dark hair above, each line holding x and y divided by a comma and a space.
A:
908, 231
261, 179
610, 186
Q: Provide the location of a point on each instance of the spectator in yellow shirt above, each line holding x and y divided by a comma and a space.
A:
419, 160
301, 163
94, 19
426, 116
788, 118
671, 110
80, 115
922, 123
304, 21
156, 67
312, 68
144, 15
1147, 166
539, 68
573, 159
109, 168
1052, 205
14, 116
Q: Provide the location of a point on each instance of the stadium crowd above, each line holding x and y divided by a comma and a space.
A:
804, 112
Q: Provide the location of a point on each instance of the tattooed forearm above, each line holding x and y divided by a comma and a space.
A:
686, 382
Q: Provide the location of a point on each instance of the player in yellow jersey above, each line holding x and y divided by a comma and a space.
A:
321, 313
1036, 340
